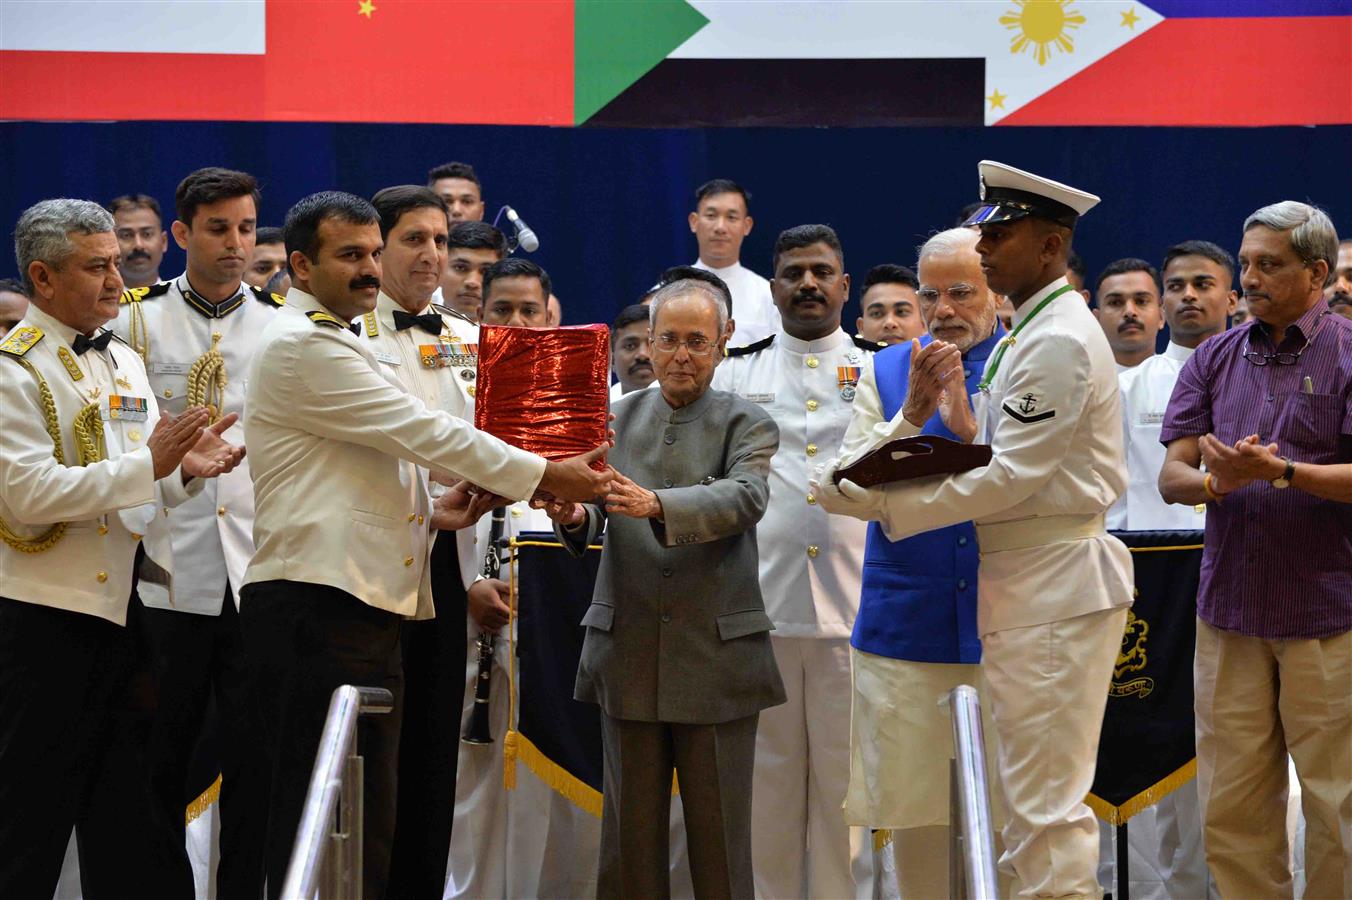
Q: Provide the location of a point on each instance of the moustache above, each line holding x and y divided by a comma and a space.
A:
1340, 298
808, 297
640, 367
366, 281
1129, 323
1256, 294
137, 254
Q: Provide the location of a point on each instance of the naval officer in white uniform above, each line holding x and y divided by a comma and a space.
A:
720, 222
197, 335
344, 520
805, 376
1198, 299
89, 469
1054, 587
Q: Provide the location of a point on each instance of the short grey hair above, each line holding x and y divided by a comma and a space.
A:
945, 243
684, 288
1311, 232
44, 230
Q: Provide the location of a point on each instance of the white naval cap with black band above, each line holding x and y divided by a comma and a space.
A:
1008, 193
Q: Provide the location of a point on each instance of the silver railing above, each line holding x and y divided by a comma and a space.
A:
326, 858
971, 850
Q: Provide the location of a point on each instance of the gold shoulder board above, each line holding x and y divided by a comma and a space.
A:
322, 318
21, 340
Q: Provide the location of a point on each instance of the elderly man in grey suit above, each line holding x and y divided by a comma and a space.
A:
677, 652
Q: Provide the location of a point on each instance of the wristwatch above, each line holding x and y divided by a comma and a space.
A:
1284, 480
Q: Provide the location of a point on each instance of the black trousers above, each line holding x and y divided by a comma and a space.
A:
434, 694
69, 757
195, 658
304, 641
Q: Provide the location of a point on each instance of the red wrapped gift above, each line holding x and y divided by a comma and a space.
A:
546, 390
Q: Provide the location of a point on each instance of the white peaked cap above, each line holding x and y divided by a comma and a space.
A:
1008, 193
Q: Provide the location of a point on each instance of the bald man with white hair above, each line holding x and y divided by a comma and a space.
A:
915, 635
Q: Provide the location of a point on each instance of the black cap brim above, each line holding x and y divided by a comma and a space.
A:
996, 212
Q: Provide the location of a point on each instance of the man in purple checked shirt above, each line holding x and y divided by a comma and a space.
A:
1267, 407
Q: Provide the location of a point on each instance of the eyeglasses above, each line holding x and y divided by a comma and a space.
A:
1286, 358
959, 294
696, 346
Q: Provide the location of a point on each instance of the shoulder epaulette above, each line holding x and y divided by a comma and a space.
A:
319, 317
454, 313
864, 343
136, 295
751, 348
21, 340
268, 297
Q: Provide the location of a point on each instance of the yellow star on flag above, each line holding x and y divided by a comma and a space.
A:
1129, 18
997, 99
365, 8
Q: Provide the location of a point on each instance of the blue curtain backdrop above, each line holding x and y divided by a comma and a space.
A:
610, 204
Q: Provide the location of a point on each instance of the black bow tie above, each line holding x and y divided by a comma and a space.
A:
428, 322
82, 343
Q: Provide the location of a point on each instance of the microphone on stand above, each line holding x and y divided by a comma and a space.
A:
524, 237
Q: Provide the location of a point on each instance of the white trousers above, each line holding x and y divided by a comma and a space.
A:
800, 844
1048, 686
528, 842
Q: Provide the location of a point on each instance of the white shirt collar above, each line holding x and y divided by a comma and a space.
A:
1027, 307
721, 273
1179, 352
792, 344
49, 324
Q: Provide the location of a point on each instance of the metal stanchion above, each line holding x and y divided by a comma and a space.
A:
972, 843
327, 855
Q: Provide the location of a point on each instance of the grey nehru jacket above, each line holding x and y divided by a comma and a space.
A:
677, 630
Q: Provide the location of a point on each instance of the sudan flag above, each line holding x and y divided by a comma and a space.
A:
679, 63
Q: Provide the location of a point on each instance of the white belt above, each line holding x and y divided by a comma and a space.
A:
1037, 532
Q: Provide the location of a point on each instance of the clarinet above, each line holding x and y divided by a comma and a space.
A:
479, 731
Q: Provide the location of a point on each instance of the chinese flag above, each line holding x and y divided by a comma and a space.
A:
429, 61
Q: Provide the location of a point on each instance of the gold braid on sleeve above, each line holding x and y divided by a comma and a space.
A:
137, 335
90, 448
207, 381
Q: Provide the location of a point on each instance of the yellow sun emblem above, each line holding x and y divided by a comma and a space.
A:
1043, 24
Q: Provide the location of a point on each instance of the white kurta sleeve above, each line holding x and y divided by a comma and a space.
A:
868, 426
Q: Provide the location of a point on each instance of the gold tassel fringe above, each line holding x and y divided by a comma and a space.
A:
203, 802
1116, 815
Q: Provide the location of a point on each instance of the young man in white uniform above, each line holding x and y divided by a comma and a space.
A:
720, 222
1054, 586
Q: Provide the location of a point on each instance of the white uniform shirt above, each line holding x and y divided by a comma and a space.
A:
752, 306
1145, 396
213, 532
811, 562
447, 384
339, 449
109, 506
1052, 416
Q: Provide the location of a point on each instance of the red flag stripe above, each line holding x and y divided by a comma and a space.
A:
1244, 71
411, 61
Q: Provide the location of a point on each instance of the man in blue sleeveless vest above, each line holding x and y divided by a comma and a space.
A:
915, 635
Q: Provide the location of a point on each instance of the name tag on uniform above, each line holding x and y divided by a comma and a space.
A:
1151, 418
759, 398
166, 368
387, 358
123, 408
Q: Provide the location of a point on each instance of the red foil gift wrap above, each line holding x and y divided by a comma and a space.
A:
546, 390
